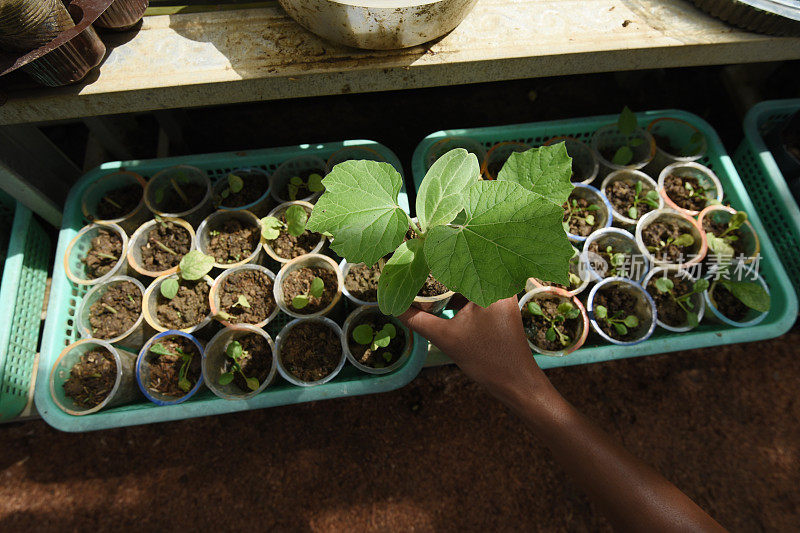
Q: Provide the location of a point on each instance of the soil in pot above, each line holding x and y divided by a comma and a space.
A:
91, 378
298, 283
165, 368
620, 305
174, 202
302, 190
659, 238
668, 311
103, 254
288, 246
255, 185
116, 311
311, 351
255, 361
432, 287
728, 304
188, 308
362, 282
256, 288
615, 265
166, 245
118, 202
536, 326
381, 357
718, 228
580, 216
691, 197
233, 241
622, 194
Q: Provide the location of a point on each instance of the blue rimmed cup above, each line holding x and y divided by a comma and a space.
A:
752, 318
644, 309
143, 370
602, 215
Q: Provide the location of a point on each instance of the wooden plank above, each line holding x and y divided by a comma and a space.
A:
246, 55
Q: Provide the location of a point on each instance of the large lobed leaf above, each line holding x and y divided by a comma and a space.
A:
402, 277
440, 196
545, 171
359, 208
508, 235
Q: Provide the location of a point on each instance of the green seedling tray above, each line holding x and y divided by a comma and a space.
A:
783, 310
65, 297
21, 296
766, 185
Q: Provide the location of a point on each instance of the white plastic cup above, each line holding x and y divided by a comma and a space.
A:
214, 357
609, 138
753, 317
584, 163
500, 152
602, 216
161, 181
258, 207
139, 239
281, 340
143, 370
134, 337
679, 132
705, 177
291, 168
645, 310
442, 146
308, 260
150, 305
124, 389
631, 177
352, 321
277, 213
698, 299
722, 214
95, 193
618, 239
685, 223
215, 221
78, 248
353, 153
345, 268
216, 288
543, 292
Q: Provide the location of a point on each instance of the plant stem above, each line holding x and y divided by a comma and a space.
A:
106, 256
109, 308
416, 229
179, 191
166, 248
112, 202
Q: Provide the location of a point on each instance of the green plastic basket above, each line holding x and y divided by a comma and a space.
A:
21, 297
65, 297
784, 301
767, 186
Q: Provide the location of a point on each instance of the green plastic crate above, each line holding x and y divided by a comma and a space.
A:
766, 185
784, 300
21, 296
65, 298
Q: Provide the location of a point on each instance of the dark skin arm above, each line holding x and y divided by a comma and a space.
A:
490, 347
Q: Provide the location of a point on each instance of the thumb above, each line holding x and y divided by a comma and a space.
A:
429, 326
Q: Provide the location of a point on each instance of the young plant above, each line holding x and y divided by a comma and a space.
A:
684, 239
627, 123
700, 192
315, 290
750, 293
193, 266
566, 311
235, 185
664, 285
474, 236
174, 183
186, 359
651, 198
296, 184
615, 260
296, 218
365, 335
235, 352
721, 244
242, 302
572, 210
619, 321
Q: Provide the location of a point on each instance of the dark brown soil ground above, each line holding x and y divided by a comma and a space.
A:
155, 257
233, 241
658, 232
675, 186
119, 202
116, 311
311, 351
299, 281
103, 254
188, 308
253, 285
362, 282
91, 378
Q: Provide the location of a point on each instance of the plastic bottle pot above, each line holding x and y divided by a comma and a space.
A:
150, 304
124, 389
644, 308
622, 241
215, 354
134, 337
353, 320
608, 139
215, 221
279, 189
696, 252
564, 296
500, 152
705, 177
442, 146
277, 213
308, 260
630, 177
722, 214
679, 133
584, 163
602, 215
98, 190
349, 153
215, 294
139, 240
344, 266
259, 206
753, 317
143, 370
78, 248
576, 267
697, 300
166, 179
280, 344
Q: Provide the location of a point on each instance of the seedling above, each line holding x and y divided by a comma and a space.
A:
470, 234
573, 213
619, 321
566, 311
312, 184
242, 302
750, 293
183, 382
665, 285
574, 280
683, 240
615, 259
700, 192
296, 218
173, 182
627, 123
106, 256
235, 185
650, 198
367, 336
108, 307
721, 244
314, 291
235, 352
193, 266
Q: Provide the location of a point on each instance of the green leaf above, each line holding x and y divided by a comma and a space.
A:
195, 265
359, 208
270, 228
387, 357
160, 349
235, 183
573, 313
440, 196
317, 287
684, 239
390, 330
623, 156
225, 378
363, 334
159, 196
296, 218
653, 196
564, 308
535, 309
590, 220
633, 212
545, 171
750, 293
315, 183
700, 285
600, 312
402, 277
719, 246
493, 253
242, 301
293, 189
225, 193
618, 259
636, 142
736, 221
300, 301
551, 334
184, 384
296, 181
638, 188
382, 339
169, 288
621, 329
252, 383
234, 350
627, 121
691, 318
631, 321
664, 284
